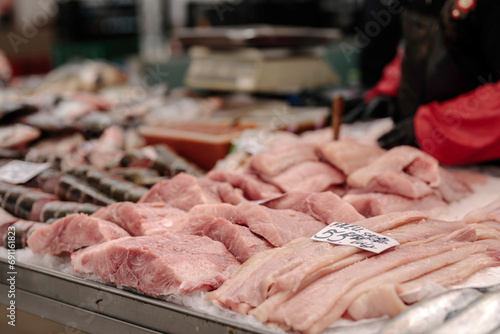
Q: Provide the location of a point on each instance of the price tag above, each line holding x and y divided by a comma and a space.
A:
354, 235
18, 171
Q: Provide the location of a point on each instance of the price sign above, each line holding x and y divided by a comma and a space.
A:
18, 172
354, 235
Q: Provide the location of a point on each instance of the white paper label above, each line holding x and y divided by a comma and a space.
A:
18, 171
354, 235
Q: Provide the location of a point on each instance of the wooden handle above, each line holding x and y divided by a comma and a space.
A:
337, 113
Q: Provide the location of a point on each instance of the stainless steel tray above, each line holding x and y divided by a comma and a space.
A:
99, 308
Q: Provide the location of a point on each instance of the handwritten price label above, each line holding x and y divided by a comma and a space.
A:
17, 171
354, 235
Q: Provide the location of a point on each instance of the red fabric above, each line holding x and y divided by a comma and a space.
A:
463, 130
389, 83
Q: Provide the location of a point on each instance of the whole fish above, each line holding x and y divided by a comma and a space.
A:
429, 313
57, 209
112, 185
141, 176
70, 188
481, 316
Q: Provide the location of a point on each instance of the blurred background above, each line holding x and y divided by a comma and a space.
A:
38, 36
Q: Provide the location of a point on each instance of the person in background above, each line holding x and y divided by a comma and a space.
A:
442, 89
379, 49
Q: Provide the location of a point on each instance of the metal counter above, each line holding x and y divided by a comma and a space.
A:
99, 308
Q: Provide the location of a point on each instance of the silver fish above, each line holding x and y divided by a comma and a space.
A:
481, 316
427, 314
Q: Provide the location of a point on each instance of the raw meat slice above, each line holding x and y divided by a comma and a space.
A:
490, 212
73, 232
452, 188
253, 187
309, 310
326, 206
375, 204
320, 264
160, 264
226, 192
349, 155
401, 158
185, 191
380, 300
142, 219
397, 275
397, 183
226, 211
239, 240
294, 200
241, 293
277, 159
311, 176
452, 274
412, 230
425, 228
276, 226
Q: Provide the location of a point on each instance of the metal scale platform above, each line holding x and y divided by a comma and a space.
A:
263, 59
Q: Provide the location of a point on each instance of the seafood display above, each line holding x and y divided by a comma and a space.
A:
136, 214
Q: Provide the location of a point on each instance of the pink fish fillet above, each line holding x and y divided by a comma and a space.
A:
454, 273
277, 226
374, 204
403, 273
185, 191
239, 240
242, 293
380, 300
397, 183
253, 187
311, 176
160, 264
324, 206
282, 157
309, 310
326, 263
223, 210
490, 212
401, 158
349, 156
73, 232
143, 218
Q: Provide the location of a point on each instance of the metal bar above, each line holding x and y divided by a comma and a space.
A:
118, 304
70, 316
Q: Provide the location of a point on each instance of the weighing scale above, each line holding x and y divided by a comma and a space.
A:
278, 60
